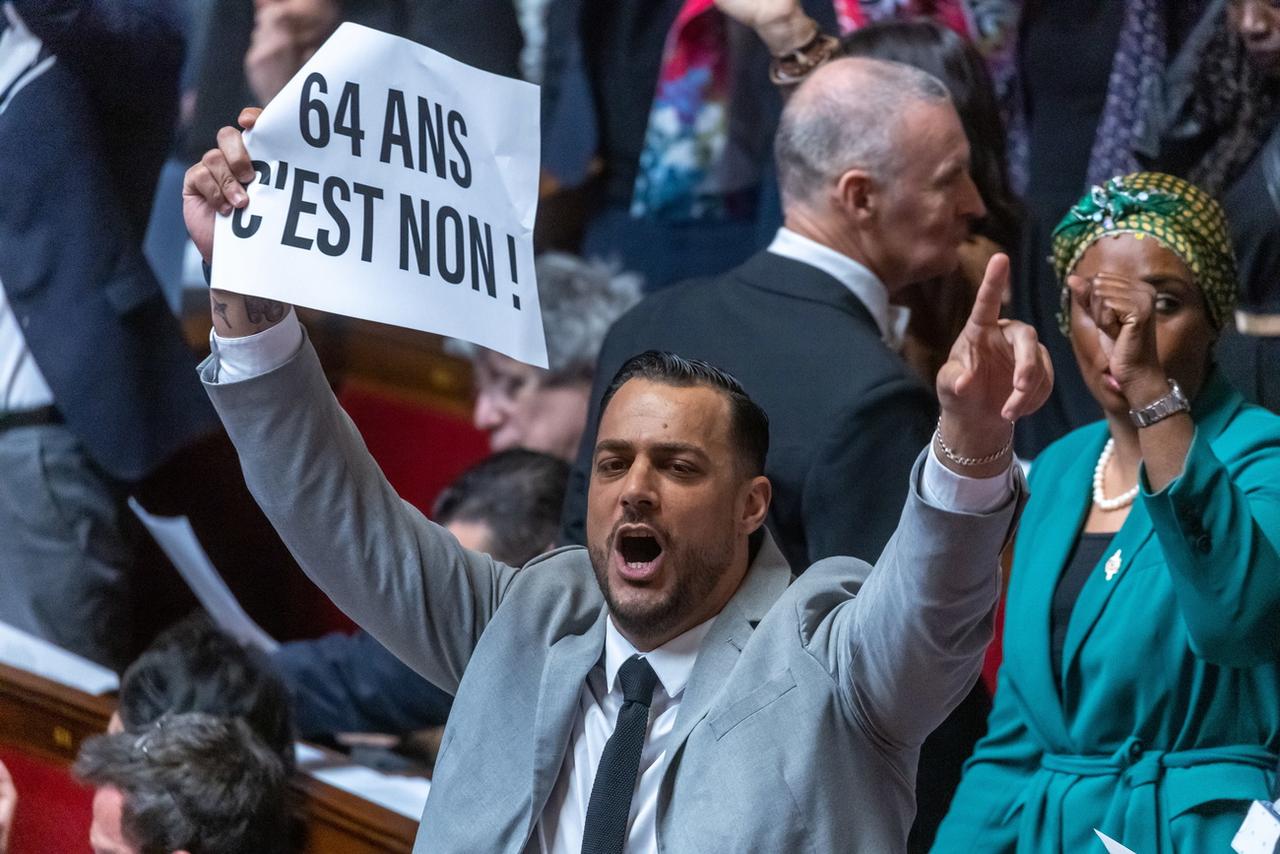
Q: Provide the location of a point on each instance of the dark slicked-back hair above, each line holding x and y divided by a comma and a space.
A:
749, 423
195, 783
517, 494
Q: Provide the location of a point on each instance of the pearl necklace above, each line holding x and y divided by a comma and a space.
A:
1099, 473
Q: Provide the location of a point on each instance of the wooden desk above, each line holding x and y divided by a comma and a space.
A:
49, 721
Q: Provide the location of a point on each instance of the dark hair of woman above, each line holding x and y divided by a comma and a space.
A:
940, 51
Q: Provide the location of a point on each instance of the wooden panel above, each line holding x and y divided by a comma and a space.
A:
49, 721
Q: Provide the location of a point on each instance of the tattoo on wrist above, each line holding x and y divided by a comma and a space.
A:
220, 309
258, 309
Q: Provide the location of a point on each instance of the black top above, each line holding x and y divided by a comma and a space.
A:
1066, 52
1088, 552
623, 41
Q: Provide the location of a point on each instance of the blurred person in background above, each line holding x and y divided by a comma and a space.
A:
187, 784
1138, 693
521, 406
195, 667
668, 110
1221, 129
95, 381
507, 506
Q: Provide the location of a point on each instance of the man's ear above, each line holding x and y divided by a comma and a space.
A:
759, 493
855, 195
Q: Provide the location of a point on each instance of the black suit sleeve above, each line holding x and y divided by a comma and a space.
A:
342, 683
854, 493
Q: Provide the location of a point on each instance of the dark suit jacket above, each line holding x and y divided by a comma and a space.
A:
847, 418
843, 408
80, 149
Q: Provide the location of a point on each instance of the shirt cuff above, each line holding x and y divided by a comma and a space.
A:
253, 355
944, 489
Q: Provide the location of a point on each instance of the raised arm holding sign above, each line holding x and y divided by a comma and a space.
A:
388, 182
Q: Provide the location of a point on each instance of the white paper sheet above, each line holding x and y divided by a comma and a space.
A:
1111, 845
1260, 833
404, 795
30, 653
398, 185
177, 539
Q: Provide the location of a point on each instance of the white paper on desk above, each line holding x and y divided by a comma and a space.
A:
1111, 845
404, 795
1260, 833
34, 655
397, 185
177, 539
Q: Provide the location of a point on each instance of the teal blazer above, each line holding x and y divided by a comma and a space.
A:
1167, 718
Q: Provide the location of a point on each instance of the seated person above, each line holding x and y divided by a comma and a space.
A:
1139, 684
507, 506
521, 406
189, 784
194, 667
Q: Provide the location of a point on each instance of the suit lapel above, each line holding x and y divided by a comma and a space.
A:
766, 580
568, 662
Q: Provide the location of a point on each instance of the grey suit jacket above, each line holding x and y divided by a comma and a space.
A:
800, 725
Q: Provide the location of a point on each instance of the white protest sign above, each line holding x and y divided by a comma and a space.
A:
398, 185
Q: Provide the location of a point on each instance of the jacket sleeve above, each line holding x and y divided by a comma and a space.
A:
1219, 528
401, 577
133, 48
854, 494
907, 648
983, 815
350, 683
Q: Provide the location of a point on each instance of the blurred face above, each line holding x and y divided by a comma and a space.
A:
518, 408
1184, 333
927, 209
106, 833
1258, 23
669, 509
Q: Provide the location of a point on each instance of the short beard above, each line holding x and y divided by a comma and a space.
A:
697, 572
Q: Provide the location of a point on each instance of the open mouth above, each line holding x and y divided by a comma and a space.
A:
639, 553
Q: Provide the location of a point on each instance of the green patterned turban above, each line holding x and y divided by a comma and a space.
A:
1180, 217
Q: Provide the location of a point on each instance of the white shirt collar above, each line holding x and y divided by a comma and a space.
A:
673, 661
861, 282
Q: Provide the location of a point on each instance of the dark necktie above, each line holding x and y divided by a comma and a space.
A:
605, 831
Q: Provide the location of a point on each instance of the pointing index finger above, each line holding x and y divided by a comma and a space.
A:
986, 305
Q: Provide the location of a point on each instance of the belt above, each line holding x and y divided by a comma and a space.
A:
1152, 786
30, 418
1258, 323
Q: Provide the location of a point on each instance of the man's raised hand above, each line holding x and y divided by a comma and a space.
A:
214, 186
998, 372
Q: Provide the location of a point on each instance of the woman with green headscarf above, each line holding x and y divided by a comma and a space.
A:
1140, 692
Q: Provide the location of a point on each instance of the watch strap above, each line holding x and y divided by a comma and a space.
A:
1171, 404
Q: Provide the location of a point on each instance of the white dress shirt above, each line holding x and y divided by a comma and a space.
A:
891, 319
559, 829
22, 386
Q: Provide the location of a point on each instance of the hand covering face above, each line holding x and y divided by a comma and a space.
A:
1176, 214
